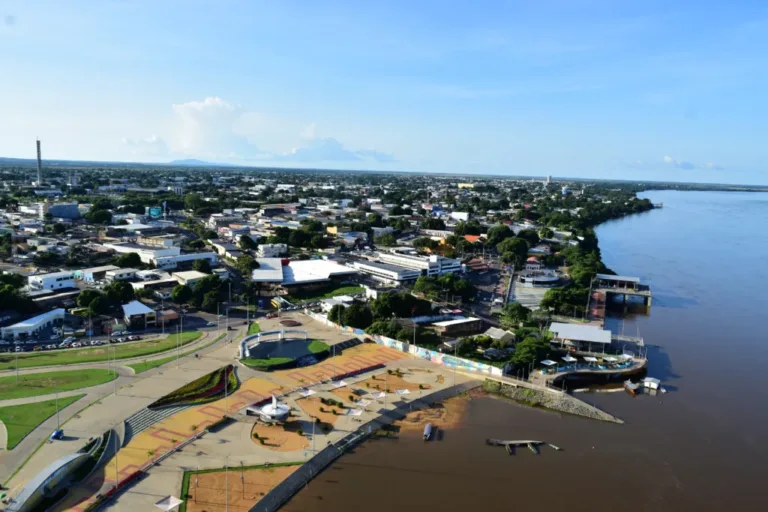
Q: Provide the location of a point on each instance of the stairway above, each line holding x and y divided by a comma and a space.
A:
338, 348
145, 418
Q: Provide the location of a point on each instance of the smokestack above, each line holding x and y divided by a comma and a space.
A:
39, 165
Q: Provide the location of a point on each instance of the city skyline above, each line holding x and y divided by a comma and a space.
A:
658, 92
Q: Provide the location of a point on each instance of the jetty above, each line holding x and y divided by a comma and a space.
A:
511, 445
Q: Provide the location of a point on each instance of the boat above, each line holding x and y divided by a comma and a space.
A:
631, 388
427, 431
510, 449
533, 448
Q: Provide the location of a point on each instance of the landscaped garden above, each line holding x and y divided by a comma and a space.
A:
20, 420
97, 354
323, 293
35, 384
279, 355
205, 389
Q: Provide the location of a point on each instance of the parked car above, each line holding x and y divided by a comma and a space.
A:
211, 324
70, 339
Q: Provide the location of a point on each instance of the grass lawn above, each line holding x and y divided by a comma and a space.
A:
253, 328
148, 365
258, 364
326, 293
96, 354
317, 346
36, 384
20, 420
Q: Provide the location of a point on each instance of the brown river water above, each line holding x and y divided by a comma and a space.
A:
701, 446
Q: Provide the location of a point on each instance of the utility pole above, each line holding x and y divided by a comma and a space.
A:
226, 483
58, 423
16, 351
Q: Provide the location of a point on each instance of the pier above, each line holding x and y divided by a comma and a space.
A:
623, 285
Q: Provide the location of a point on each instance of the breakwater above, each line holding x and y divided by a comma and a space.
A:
559, 402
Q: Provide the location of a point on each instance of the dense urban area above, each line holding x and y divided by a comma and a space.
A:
116, 275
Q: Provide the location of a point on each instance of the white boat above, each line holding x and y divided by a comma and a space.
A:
427, 431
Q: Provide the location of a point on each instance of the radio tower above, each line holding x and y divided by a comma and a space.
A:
39, 165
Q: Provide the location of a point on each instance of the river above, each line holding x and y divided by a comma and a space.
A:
698, 447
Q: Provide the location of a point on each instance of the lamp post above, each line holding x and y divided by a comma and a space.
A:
226, 483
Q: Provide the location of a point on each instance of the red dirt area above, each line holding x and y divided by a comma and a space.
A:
312, 407
207, 490
279, 438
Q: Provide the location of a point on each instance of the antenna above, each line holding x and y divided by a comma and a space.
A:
39, 165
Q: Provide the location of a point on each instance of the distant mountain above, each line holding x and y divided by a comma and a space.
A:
194, 162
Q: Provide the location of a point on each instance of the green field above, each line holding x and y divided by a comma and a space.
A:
317, 346
326, 293
96, 354
36, 384
262, 364
20, 420
148, 365
254, 328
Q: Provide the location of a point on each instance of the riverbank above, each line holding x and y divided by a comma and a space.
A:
556, 402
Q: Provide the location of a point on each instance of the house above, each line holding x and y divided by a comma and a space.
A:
189, 278
52, 281
93, 274
500, 335
272, 250
458, 326
121, 274
138, 316
533, 263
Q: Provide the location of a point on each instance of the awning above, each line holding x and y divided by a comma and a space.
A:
610, 359
168, 503
307, 392
354, 412
625, 356
339, 384
590, 359
548, 362
402, 392
380, 394
569, 359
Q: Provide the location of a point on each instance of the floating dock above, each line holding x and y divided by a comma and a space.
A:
530, 443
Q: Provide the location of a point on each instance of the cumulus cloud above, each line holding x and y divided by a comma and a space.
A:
215, 129
683, 164
151, 146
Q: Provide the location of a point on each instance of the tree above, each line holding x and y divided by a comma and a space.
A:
424, 243
374, 219
128, 260
196, 244
210, 301
433, 223
545, 232
181, 294
336, 314
99, 217
59, 228
86, 297
386, 240
119, 292
468, 228
318, 242
513, 314
498, 233
203, 266
397, 210
247, 243
529, 236
513, 251
299, 238
358, 316
245, 265
98, 306
532, 349
193, 202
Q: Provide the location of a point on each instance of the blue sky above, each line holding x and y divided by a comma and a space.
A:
659, 90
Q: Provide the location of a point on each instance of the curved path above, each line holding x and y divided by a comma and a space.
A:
124, 385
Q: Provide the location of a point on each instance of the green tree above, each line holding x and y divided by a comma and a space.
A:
181, 294
59, 228
358, 316
386, 240
424, 243
203, 266
433, 223
299, 238
498, 233
529, 236
196, 244
336, 314
86, 297
531, 350
245, 265
119, 292
193, 202
99, 217
98, 306
513, 251
128, 260
513, 314
247, 243
210, 301
545, 232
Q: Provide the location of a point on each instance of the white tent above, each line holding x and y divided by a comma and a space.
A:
548, 362
307, 392
168, 503
380, 394
364, 403
402, 392
625, 356
354, 412
570, 359
339, 384
610, 359
590, 359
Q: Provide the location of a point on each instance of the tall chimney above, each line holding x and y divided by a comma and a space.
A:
39, 165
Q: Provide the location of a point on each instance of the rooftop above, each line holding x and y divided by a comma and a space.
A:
270, 271
628, 279
455, 321
189, 275
576, 332
136, 308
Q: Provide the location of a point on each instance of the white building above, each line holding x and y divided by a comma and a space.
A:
386, 272
272, 250
189, 278
162, 257
433, 265
121, 274
463, 216
31, 326
52, 281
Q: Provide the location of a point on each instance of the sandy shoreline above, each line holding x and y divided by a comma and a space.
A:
446, 414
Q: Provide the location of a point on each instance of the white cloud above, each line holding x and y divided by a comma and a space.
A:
680, 164
151, 146
215, 129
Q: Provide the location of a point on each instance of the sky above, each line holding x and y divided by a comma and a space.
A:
647, 90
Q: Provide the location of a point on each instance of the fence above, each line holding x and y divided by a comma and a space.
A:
420, 352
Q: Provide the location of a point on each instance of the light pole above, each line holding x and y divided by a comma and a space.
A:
58, 423
226, 483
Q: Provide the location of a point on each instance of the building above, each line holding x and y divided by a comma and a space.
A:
165, 257
60, 210
189, 278
291, 275
32, 326
458, 326
462, 216
433, 265
272, 250
580, 337
533, 264
221, 272
93, 274
121, 274
138, 316
386, 272
466, 185
52, 281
